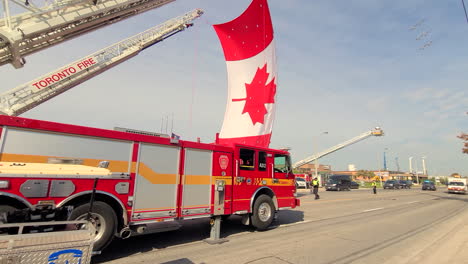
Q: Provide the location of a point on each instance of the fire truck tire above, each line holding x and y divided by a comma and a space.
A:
104, 220
263, 212
6, 208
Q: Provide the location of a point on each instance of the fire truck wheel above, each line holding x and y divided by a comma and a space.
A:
6, 208
104, 220
263, 213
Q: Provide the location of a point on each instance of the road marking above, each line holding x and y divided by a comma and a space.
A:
412, 202
292, 224
327, 201
374, 209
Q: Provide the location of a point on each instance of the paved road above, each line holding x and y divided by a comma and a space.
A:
394, 226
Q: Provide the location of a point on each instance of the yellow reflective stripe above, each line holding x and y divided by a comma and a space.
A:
154, 209
206, 179
156, 178
227, 179
197, 179
281, 182
196, 206
114, 165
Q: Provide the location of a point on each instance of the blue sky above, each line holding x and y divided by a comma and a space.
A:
344, 67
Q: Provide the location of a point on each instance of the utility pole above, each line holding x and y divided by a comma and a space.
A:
424, 165
417, 176
410, 165
316, 161
385, 160
316, 171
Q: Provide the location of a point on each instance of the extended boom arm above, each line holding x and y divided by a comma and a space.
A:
41, 27
375, 132
31, 94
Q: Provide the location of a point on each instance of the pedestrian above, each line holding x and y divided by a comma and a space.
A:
374, 187
315, 185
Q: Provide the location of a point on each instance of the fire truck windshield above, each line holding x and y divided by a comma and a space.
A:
282, 163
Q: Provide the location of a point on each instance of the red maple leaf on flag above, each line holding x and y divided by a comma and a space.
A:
259, 93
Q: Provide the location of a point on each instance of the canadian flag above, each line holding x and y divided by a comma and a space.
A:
249, 49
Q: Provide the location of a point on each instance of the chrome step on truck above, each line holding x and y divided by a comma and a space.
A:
73, 244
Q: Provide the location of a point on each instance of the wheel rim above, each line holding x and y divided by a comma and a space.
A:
264, 212
97, 221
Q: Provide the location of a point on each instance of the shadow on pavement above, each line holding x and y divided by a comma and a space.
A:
179, 261
302, 194
285, 217
191, 231
457, 197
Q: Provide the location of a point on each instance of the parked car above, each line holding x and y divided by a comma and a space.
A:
301, 183
428, 185
409, 184
403, 184
338, 183
391, 184
354, 185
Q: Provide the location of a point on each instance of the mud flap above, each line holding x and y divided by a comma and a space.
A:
245, 219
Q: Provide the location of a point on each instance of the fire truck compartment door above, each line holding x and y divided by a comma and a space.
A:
197, 181
157, 181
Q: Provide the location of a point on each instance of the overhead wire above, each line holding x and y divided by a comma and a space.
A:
464, 8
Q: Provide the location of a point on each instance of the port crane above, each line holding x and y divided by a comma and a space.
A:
43, 25
374, 132
33, 93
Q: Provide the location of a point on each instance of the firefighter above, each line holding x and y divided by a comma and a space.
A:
374, 187
315, 185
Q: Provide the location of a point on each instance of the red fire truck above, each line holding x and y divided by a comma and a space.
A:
141, 181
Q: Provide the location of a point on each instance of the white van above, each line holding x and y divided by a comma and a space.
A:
457, 185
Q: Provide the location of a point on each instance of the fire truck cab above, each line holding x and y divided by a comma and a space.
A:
141, 182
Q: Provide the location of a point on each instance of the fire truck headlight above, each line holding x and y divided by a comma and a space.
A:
4, 184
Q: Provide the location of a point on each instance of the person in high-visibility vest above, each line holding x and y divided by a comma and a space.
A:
315, 185
374, 187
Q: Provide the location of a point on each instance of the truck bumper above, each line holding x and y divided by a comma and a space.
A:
457, 191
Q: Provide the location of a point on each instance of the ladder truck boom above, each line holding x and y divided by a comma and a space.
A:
31, 94
41, 27
375, 132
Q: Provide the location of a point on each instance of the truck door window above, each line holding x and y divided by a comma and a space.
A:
282, 163
246, 161
262, 161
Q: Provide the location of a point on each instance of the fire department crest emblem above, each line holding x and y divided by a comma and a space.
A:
223, 161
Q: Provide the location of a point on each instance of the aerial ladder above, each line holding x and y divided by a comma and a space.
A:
31, 94
43, 26
374, 132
